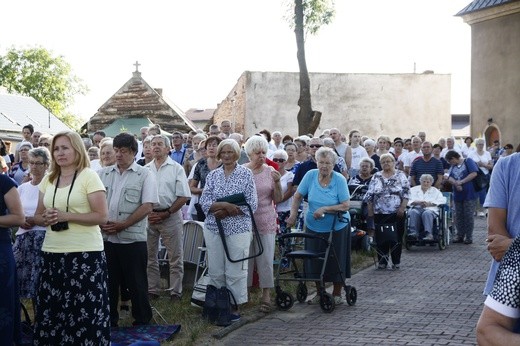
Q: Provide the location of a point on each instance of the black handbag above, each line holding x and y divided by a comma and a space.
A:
480, 181
240, 200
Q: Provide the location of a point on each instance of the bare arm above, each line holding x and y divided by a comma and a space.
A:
438, 182
297, 200
348, 158
288, 194
15, 217
498, 238
496, 329
194, 187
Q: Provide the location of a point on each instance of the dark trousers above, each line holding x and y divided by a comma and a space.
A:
385, 246
128, 262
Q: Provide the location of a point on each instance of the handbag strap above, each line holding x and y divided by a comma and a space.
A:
256, 234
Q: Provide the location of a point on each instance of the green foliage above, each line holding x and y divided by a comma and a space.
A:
48, 79
316, 13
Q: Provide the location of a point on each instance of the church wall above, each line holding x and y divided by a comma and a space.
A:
391, 104
495, 76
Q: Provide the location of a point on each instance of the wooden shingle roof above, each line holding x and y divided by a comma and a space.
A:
137, 99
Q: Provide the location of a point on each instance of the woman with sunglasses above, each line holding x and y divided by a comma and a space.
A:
29, 237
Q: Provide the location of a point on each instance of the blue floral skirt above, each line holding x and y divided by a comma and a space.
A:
27, 254
72, 300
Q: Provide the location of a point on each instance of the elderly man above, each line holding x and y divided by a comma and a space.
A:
414, 153
225, 129
165, 220
424, 201
131, 193
426, 164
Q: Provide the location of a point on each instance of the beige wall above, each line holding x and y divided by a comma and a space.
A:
391, 104
495, 76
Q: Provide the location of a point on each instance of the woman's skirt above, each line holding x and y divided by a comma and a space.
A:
72, 301
341, 244
27, 254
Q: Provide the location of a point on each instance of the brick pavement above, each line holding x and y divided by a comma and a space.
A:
434, 299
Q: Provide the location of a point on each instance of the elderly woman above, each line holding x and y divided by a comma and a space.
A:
370, 146
386, 198
269, 192
283, 207
107, 153
327, 193
366, 166
20, 170
461, 174
228, 179
301, 154
204, 166
72, 300
29, 237
483, 159
291, 164
424, 201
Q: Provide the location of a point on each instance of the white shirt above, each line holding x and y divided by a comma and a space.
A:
485, 158
284, 180
410, 157
432, 195
357, 154
171, 182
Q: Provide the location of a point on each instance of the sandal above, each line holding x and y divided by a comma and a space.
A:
265, 307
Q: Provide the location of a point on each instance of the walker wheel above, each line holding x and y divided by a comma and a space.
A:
327, 302
284, 300
301, 293
351, 294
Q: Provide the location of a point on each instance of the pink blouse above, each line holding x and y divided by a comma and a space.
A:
265, 214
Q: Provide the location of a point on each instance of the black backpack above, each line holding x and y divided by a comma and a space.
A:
217, 305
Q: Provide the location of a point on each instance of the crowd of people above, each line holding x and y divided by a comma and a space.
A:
90, 213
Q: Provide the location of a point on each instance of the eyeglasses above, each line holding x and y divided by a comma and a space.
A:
278, 160
36, 163
315, 146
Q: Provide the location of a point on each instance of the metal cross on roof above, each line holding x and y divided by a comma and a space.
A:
137, 64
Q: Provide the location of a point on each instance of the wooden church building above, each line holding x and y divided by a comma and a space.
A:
136, 104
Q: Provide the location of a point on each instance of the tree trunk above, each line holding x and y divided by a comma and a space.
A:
308, 120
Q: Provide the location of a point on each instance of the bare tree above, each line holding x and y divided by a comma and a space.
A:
309, 17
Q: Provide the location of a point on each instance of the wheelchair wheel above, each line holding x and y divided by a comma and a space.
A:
284, 300
442, 242
407, 244
301, 293
351, 295
327, 302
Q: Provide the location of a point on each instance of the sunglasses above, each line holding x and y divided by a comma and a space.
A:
315, 146
278, 160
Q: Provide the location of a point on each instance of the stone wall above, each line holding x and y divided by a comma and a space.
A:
391, 104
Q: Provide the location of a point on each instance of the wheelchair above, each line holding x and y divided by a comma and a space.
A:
440, 231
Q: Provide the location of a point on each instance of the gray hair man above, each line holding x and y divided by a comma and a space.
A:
165, 220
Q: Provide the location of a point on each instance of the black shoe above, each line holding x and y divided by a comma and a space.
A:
153, 296
468, 241
411, 236
457, 240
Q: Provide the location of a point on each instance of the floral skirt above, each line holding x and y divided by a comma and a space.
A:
27, 253
72, 300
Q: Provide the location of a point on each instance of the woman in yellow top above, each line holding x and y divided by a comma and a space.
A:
72, 300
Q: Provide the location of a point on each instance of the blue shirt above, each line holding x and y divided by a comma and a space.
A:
178, 155
503, 194
335, 193
460, 172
